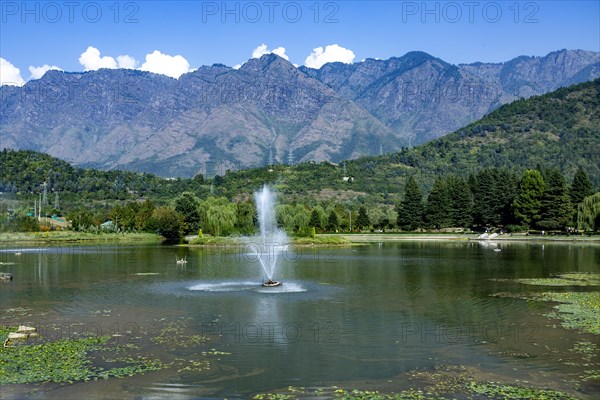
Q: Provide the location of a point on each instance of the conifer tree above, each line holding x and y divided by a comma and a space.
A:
437, 207
580, 188
410, 210
362, 221
315, 219
460, 202
493, 194
556, 204
333, 221
528, 203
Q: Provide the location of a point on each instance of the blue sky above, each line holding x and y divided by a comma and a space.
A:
56, 33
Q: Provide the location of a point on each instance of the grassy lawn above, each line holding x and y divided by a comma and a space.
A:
319, 240
72, 236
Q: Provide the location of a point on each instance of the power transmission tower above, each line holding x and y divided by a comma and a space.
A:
290, 157
270, 162
56, 203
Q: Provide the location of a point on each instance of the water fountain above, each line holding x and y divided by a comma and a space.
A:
265, 248
271, 241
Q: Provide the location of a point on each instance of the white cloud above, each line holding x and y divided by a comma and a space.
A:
126, 62
156, 62
9, 74
159, 63
331, 53
38, 72
91, 60
237, 66
263, 49
280, 51
260, 51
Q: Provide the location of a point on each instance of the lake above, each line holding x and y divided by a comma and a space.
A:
358, 316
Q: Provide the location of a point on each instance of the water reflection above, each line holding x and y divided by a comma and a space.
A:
368, 312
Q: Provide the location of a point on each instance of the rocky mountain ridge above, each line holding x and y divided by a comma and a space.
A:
268, 111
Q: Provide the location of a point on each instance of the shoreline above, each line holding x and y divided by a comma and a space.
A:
321, 240
76, 237
236, 241
392, 237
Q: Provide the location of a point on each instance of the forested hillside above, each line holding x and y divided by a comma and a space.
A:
528, 164
24, 172
560, 129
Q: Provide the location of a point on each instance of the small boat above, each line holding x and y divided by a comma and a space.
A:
271, 283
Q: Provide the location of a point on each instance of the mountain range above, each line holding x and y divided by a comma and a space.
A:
560, 129
268, 111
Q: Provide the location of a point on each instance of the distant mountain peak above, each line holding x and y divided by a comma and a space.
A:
266, 61
124, 118
420, 55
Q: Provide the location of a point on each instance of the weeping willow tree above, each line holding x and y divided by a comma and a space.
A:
293, 218
218, 216
285, 217
301, 218
588, 213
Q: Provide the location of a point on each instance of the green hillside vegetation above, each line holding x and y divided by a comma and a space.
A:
560, 129
25, 171
527, 165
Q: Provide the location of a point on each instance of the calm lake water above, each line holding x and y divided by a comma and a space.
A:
344, 316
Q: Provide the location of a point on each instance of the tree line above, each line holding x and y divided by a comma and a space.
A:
494, 197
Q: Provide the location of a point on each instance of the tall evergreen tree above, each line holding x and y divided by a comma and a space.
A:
493, 194
460, 202
332, 221
556, 204
472, 181
322, 216
580, 188
410, 210
362, 221
485, 208
315, 219
506, 191
437, 207
528, 203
